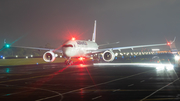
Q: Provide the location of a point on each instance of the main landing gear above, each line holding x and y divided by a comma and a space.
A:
69, 62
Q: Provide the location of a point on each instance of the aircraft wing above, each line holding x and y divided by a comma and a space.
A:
127, 47
54, 50
132, 47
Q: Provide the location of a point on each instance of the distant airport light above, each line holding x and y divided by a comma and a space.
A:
26, 57
73, 38
16, 56
60, 56
3, 57
169, 67
91, 58
160, 67
176, 57
37, 63
56, 55
121, 53
7, 45
116, 54
31, 55
155, 50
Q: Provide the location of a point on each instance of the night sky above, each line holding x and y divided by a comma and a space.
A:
132, 22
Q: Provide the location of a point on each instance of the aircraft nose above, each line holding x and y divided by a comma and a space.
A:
68, 52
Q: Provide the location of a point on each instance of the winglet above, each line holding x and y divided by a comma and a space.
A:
94, 33
173, 40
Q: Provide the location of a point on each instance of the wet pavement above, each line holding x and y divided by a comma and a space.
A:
88, 82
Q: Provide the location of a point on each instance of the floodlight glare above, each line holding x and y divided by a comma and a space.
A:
176, 57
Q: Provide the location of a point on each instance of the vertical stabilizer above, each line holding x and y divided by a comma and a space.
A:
4, 41
94, 33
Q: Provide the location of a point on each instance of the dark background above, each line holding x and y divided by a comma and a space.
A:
37, 23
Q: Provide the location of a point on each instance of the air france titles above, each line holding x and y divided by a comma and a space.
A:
81, 43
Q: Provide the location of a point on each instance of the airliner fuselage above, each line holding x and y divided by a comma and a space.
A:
78, 48
82, 48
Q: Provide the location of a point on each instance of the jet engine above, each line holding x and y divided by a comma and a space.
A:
108, 56
49, 56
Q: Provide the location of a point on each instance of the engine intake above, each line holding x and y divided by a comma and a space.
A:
108, 56
49, 56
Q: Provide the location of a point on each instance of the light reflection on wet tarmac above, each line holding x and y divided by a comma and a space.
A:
87, 82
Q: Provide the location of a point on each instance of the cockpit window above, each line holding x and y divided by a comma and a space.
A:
67, 45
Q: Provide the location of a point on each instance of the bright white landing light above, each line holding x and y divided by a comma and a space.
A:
160, 67
116, 54
169, 67
176, 57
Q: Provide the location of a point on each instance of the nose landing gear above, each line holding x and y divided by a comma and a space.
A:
68, 62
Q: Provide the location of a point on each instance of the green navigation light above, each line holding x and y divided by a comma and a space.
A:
7, 45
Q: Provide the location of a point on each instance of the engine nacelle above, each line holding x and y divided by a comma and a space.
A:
108, 56
49, 56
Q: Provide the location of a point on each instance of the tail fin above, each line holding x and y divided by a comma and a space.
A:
4, 41
94, 33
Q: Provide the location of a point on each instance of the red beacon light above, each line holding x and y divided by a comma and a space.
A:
73, 39
168, 43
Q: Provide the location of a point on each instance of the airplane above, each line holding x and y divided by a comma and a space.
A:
83, 48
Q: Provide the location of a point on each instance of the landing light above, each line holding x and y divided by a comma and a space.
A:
176, 57
81, 58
